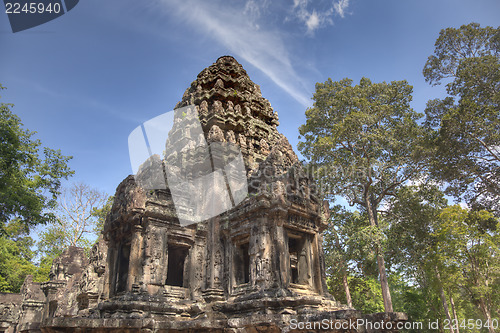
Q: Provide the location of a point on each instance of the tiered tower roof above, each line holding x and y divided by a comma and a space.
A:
231, 109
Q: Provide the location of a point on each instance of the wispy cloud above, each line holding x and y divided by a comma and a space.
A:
239, 32
254, 10
341, 6
317, 17
312, 18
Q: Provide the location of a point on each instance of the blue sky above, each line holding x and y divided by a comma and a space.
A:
84, 81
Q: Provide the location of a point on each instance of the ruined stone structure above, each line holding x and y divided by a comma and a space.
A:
255, 268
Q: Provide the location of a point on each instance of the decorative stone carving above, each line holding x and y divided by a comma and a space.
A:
204, 107
219, 84
91, 285
230, 137
247, 111
217, 107
242, 141
230, 107
250, 269
215, 134
264, 146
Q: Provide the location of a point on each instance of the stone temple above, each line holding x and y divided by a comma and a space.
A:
257, 267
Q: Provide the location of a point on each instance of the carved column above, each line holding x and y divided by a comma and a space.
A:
215, 262
305, 262
322, 268
315, 265
279, 263
156, 258
135, 276
260, 253
110, 287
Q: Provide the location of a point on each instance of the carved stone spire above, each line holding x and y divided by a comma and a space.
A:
227, 98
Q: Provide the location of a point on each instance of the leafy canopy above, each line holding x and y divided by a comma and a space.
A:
412, 216
469, 243
365, 142
30, 177
466, 125
16, 257
364, 139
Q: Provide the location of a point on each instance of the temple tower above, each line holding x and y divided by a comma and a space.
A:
255, 267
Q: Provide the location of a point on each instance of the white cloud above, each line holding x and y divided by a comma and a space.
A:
299, 3
254, 8
317, 17
313, 21
340, 7
238, 32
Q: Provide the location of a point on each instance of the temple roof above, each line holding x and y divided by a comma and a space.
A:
232, 109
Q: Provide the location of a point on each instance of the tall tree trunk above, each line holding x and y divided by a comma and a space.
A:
347, 291
344, 265
386, 293
487, 314
384, 283
443, 299
454, 311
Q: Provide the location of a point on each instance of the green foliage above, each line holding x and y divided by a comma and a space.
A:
52, 241
438, 248
364, 140
348, 243
454, 45
29, 183
420, 304
15, 256
469, 247
411, 218
412, 215
100, 213
466, 125
43, 269
365, 144
365, 292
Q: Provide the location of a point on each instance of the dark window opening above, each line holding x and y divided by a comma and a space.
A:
242, 264
122, 271
293, 245
83, 301
52, 308
299, 263
175, 269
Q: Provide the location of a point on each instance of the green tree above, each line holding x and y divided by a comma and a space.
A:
349, 259
365, 292
466, 125
469, 244
449, 252
339, 251
365, 142
29, 183
412, 217
15, 256
100, 214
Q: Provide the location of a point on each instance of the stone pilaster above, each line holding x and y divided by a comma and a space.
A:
135, 275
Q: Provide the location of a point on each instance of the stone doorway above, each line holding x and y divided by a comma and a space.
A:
176, 261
